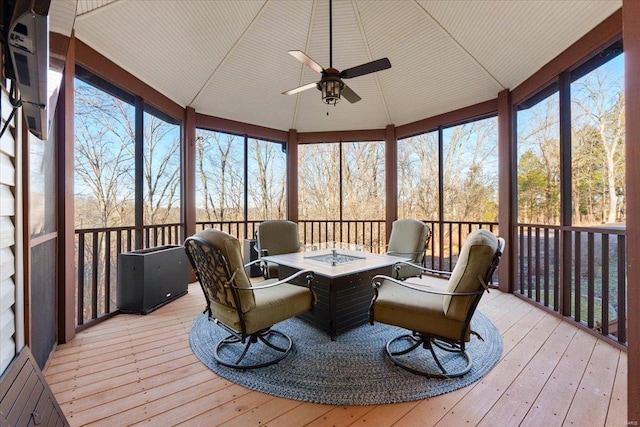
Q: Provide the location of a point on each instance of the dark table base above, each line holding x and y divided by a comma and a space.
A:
343, 302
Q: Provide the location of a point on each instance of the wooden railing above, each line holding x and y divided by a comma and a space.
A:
97, 250
594, 291
96, 269
590, 262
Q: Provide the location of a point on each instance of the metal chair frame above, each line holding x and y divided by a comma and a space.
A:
215, 277
428, 340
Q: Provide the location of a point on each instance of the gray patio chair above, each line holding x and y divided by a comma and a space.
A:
247, 312
276, 237
438, 318
409, 238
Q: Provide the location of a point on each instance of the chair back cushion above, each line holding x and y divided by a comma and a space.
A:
218, 275
473, 263
278, 237
408, 236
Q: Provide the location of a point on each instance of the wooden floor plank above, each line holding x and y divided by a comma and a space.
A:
117, 371
552, 404
473, 407
140, 369
592, 398
385, 415
514, 403
617, 411
341, 416
262, 414
129, 390
428, 412
301, 415
126, 355
173, 408
208, 416
124, 404
115, 383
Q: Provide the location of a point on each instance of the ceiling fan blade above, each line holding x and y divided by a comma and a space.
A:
369, 67
302, 57
349, 94
300, 89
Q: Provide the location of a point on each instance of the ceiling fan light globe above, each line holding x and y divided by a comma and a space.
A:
330, 91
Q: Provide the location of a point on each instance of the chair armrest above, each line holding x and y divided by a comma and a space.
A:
255, 261
398, 253
423, 269
379, 279
308, 275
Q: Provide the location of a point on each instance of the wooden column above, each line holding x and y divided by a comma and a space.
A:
506, 190
631, 36
189, 177
66, 327
391, 178
189, 172
292, 175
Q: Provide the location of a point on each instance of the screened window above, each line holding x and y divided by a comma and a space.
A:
161, 168
267, 180
219, 176
597, 145
342, 193
363, 181
418, 182
470, 171
104, 158
538, 154
319, 181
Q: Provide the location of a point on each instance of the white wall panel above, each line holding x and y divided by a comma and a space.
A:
8, 348
7, 171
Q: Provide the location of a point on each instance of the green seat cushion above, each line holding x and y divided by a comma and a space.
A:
276, 304
414, 310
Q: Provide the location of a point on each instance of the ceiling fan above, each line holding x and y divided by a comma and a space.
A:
331, 84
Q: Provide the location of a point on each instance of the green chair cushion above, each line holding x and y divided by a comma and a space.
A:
273, 305
278, 237
276, 304
408, 237
475, 257
229, 247
416, 311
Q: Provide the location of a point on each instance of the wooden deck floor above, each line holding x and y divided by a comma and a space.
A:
135, 370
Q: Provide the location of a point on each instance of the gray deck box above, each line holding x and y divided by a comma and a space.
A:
151, 278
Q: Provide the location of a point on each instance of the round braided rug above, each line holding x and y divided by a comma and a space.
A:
352, 370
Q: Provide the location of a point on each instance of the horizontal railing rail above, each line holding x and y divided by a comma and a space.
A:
590, 262
595, 295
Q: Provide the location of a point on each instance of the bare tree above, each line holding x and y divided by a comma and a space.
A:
267, 180
220, 165
599, 101
319, 181
103, 159
363, 180
539, 136
469, 173
161, 171
418, 185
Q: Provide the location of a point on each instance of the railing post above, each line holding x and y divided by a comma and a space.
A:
80, 272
